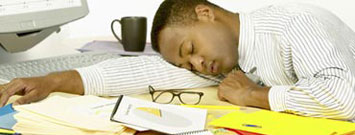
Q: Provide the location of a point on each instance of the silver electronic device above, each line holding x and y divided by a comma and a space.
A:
25, 23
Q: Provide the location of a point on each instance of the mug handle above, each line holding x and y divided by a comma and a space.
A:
113, 30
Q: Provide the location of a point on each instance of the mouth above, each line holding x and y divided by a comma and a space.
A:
213, 67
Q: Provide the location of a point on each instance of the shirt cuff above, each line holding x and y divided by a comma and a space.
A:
278, 97
92, 79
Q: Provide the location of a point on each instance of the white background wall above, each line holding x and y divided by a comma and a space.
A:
97, 23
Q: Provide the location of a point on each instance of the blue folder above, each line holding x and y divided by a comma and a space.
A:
7, 120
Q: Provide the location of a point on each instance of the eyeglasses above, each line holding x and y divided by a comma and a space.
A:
167, 96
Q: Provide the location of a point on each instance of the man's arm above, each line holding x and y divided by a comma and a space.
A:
37, 88
68, 82
126, 75
326, 86
133, 75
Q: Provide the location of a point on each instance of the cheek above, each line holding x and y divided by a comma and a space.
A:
223, 51
227, 52
219, 45
229, 63
225, 46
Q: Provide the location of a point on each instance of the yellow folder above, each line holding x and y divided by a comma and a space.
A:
274, 123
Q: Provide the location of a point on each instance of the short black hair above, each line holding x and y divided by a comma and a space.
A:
174, 12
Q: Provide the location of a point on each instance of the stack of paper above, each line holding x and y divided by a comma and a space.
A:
64, 116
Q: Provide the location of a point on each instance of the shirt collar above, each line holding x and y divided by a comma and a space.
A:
246, 42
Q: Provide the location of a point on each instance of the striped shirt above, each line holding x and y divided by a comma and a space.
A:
295, 49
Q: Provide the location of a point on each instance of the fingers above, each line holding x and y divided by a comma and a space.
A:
236, 74
9, 90
2, 86
220, 95
241, 78
32, 96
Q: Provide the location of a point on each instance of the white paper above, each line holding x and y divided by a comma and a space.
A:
111, 46
171, 119
103, 110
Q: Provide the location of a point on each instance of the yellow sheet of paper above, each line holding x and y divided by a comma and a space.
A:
5, 131
274, 123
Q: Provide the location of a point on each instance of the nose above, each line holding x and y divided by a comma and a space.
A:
197, 62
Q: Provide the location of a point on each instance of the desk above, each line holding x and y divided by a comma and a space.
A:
209, 98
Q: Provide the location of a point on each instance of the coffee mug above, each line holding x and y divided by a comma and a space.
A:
133, 32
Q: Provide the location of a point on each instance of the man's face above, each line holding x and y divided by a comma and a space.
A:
207, 47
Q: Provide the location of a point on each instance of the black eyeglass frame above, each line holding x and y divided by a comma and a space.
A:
175, 93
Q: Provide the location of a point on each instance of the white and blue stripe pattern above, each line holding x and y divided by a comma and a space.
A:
296, 51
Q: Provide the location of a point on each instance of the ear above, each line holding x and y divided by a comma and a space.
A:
204, 13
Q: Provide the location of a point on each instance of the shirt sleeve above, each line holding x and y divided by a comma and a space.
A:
326, 86
133, 75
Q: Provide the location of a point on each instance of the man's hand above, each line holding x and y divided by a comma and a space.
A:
37, 88
32, 89
238, 89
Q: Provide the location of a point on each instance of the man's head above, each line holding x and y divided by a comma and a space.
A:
196, 35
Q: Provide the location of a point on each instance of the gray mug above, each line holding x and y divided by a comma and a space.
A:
133, 31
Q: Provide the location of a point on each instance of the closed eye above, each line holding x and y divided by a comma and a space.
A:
192, 49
